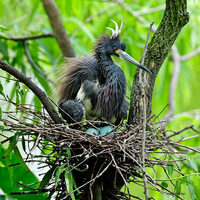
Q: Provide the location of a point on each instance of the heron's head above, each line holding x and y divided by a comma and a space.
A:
113, 46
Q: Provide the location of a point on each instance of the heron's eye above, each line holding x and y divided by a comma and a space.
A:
115, 48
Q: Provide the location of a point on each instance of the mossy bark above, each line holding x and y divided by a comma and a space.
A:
174, 18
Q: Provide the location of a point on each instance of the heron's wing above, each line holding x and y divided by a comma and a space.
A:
73, 74
111, 95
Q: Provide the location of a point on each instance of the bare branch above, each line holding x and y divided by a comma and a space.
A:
190, 55
34, 88
24, 38
134, 13
58, 28
172, 89
177, 59
150, 10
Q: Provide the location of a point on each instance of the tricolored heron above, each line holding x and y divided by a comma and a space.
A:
95, 86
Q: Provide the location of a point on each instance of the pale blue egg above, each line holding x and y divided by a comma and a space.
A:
105, 130
92, 131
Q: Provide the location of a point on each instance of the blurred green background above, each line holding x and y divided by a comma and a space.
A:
85, 20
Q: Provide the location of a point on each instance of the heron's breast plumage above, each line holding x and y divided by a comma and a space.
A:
87, 94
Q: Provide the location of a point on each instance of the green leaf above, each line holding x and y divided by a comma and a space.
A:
83, 28
4, 50
2, 165
2, 128
170, 170
194, 191
2, 27
59, 171
18, 174
21, 161
185, 180
10, 169
177, 188
68, 152
23, 144
3, 35
69, 181
193, 164
0, 113
11, 146
46, 178
1, 90
33, 12
164, 184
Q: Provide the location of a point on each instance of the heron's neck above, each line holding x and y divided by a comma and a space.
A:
103, 59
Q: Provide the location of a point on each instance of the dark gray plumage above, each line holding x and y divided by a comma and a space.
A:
96, 84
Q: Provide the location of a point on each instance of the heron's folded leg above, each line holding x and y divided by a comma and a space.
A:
71, 110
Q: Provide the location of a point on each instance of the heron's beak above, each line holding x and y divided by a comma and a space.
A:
123, 55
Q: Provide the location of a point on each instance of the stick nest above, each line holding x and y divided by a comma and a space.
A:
71, 155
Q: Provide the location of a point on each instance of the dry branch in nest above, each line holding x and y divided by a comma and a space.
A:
68, 153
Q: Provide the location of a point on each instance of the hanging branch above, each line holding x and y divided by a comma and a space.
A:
58, 28
34, 88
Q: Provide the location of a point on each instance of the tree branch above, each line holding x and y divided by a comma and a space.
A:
172, 89
34, 88
190, 55
58, 28
177, 59
150, 10
175, 17
24, 38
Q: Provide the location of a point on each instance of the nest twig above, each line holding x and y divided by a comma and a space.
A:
68, 151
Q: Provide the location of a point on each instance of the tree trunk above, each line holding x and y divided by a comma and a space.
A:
58, 28
175, 17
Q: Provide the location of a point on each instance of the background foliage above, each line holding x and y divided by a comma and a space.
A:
84, 22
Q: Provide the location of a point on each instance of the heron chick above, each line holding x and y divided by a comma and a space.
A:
95, 86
